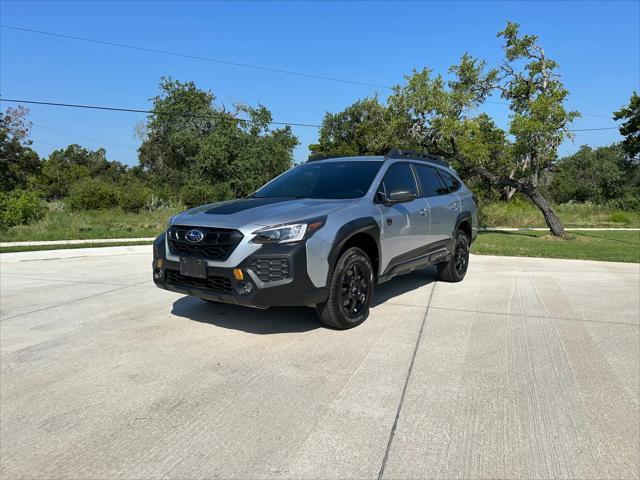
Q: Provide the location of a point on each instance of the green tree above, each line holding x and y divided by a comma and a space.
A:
65, 167
188, 140
630, 129
18, 162
600, 175
357, 130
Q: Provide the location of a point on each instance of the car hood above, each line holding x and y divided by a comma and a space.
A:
259, 211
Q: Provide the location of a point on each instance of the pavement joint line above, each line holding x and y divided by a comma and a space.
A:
404, 389
77, 256
568, 229
87, 241
68, 302
69, 281
567, 319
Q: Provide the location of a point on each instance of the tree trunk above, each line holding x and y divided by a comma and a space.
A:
550, 216
530, 190
509, 192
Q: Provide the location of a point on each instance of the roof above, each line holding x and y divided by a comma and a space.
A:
392, 155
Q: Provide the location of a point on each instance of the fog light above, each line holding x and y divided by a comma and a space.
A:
157, 273
237, 273
245, 288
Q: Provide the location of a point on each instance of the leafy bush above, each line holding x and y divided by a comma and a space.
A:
133, 197
93, 194
619, 217
194, 194
20, 207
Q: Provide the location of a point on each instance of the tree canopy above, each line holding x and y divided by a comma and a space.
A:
18, 162
188, 140
630, 128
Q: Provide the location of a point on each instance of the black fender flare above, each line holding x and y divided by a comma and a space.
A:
464, 217
347, 231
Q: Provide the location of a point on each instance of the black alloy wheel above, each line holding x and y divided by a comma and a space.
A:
350, 291
354, 289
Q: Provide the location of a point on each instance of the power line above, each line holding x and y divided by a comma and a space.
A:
136, 110
66, 133
592, 129
228, 62
195, 57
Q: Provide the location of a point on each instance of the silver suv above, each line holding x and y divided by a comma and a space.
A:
323, 234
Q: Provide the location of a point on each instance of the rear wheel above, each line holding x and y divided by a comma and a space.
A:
455, 269
350, 291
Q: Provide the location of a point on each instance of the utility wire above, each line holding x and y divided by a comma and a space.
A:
66, 133
136, 110
591, 129
195, 57
227, 62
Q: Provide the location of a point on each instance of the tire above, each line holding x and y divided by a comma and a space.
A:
350, 291
455, 269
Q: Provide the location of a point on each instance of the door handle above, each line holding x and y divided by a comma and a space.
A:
424, 212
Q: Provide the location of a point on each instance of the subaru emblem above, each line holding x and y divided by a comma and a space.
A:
194, 236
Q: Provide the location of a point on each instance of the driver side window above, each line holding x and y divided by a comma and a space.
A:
398, 177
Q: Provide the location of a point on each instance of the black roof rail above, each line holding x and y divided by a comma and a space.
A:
411, 155
317, 158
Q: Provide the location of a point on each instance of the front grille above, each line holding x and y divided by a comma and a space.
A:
217, 244
270, 269
215, 282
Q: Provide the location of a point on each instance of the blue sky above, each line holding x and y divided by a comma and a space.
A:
596, 44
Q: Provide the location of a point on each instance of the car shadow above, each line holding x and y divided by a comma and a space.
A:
404, 284
286, 319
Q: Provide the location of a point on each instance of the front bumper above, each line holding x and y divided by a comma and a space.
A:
222, 286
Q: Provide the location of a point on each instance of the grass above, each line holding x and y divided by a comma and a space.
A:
522, 214
34, 248
612, 246
605, 246
66, 225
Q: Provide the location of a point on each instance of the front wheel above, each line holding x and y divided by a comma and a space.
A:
455, 269
350, 291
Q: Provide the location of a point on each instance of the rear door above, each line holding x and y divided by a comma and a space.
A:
443, 204
405, 226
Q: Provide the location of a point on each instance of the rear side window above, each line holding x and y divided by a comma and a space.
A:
450, 181
398, 177
430, 182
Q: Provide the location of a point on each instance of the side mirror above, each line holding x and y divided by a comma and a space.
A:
400, 196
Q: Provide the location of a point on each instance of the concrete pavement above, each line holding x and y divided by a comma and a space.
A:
529, 368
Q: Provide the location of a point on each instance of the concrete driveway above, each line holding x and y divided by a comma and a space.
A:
527, 369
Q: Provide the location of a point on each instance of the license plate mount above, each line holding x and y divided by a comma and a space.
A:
193, 267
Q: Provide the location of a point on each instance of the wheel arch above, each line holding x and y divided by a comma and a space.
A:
363, 233
464, 222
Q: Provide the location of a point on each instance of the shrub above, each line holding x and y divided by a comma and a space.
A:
92, 194
19, 208
194, 194
133, 197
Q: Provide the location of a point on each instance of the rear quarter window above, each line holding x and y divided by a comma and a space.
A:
451, 182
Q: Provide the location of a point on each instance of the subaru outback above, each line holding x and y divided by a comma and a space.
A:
323, 234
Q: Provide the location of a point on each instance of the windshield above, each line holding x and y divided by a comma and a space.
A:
349, 179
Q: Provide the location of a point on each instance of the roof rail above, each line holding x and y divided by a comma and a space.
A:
411, 155
317, 158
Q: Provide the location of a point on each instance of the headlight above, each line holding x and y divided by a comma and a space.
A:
292, 232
